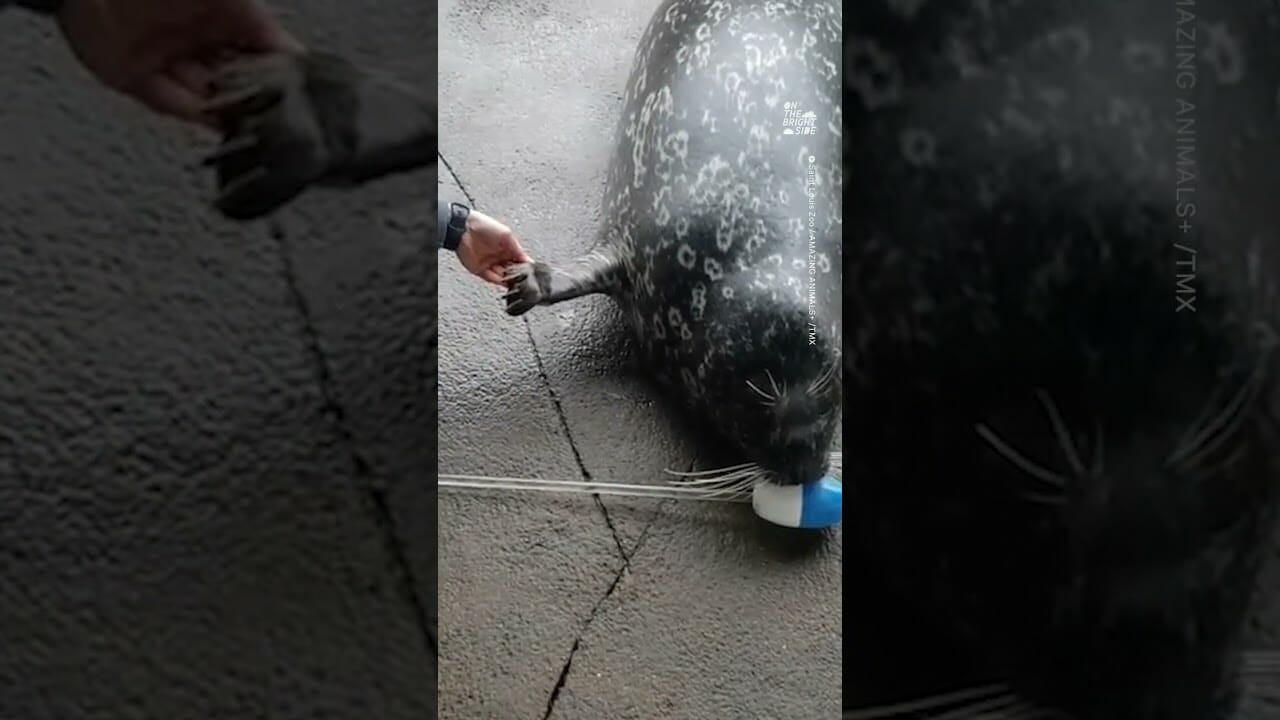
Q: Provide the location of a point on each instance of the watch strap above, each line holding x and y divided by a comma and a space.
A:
457, 226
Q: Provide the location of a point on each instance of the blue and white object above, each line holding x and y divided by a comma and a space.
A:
812, 506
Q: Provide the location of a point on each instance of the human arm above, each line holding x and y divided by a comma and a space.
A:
485, 247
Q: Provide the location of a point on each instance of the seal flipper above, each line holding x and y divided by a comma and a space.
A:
376, 125
538, 283
273, 147
298, 120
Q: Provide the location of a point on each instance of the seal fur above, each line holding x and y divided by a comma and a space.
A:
721, 239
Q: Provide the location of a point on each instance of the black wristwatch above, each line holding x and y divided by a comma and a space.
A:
44, 7
457, 225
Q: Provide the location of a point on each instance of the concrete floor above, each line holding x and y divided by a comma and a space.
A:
216, 447
577, 609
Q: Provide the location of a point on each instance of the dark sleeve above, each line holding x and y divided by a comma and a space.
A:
442, 219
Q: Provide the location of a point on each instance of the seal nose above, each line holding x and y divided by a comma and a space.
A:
805, 437
799, 426
801, 465
802, 418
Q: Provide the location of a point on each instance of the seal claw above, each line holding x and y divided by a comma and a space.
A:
274, 145
523, 292
231, 146
243, 100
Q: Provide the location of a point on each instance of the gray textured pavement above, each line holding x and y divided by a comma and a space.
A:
572, 608
216, 445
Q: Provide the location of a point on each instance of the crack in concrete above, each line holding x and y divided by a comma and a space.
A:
595, 610
555, 398
332, 409
573, 446
470, 200
563, 678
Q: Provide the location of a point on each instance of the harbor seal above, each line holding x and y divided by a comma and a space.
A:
721, 237
1063, 277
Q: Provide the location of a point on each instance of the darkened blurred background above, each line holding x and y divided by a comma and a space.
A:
217, 441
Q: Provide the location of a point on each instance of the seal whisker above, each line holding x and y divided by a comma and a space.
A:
752, 480
1223, 427
1019, 710
716, 481
1233, 414
713, 471
768, 398
1259, 689
835, 461
1265, 659
1187, 442
1223, 466
933, 702
740, 478
822, 380
716, 473
719, 474
1036, 712
239, 182
813, 387
712, 487
1018, 460
746, 485
1098, 449
822, 377
1060, 429
983, 708
728, 492
739, 485
777, 393
665, 492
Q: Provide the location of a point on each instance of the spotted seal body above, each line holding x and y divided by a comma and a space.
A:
721, 239
1063, 275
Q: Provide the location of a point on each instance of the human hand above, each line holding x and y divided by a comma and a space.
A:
487, 247
163, 53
